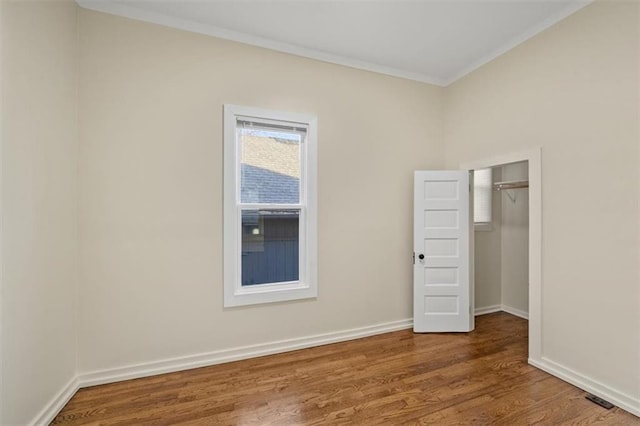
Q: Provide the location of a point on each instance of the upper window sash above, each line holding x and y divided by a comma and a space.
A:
270, 161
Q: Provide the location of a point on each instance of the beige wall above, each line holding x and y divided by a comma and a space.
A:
39, 204
151, 190
514, 235
572, 90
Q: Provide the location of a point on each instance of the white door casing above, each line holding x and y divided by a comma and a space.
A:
534, 157
443, 238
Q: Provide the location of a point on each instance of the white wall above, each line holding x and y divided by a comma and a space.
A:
39, 204
151, 190
514, 235
572, 90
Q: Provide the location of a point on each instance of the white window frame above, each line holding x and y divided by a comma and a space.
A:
484, 226
306, 287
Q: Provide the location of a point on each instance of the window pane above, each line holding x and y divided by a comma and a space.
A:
269, 165
270, 246
482, 195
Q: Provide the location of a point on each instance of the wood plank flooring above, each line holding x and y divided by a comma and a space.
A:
397, 378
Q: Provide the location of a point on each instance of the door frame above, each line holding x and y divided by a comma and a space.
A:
533, 156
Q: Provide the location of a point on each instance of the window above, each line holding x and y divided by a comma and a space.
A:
269, 206
482, 198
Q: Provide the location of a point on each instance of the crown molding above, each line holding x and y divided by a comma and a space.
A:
130, 12
127, 11
572, 8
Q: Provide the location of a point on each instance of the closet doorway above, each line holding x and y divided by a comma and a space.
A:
501, 246
514, 282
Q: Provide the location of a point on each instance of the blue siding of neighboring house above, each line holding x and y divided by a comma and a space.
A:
278, 262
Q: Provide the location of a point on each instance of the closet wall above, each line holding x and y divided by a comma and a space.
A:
514, 237
488, 258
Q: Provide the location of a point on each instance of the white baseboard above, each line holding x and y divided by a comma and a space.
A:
487, 310
498, 308
82, 380
51, 410
622, 400
516, 312
235, 354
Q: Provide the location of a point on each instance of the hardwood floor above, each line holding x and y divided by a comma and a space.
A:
396, 378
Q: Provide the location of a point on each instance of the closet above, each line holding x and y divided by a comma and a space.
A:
502, 245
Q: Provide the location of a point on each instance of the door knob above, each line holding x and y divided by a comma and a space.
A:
421, 256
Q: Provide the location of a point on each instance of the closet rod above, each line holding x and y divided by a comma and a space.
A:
516, 184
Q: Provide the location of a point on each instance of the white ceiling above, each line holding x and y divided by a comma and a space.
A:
435, 41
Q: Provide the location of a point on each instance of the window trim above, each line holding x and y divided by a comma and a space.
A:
306, 287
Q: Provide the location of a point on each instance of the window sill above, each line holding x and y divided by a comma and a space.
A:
269, 293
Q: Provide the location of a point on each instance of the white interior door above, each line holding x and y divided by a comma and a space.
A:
442, 244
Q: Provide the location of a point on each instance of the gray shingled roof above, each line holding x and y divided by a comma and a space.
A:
260, 185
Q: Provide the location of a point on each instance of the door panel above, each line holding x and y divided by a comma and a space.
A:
443, 231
